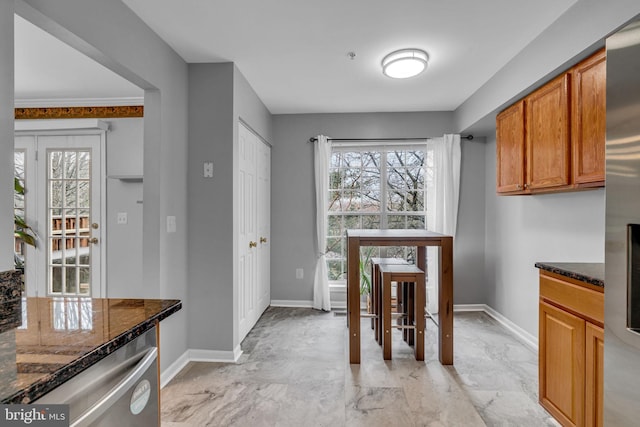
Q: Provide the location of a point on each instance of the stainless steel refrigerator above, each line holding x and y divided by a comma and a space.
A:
622, 240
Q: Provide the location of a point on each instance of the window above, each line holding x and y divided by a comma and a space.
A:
374, 187
19, 204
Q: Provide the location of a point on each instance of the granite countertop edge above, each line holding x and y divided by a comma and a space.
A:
48, 383
591, 273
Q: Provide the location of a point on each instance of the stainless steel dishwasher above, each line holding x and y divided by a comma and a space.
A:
120, 390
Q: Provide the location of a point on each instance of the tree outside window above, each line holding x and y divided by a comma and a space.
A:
374, 188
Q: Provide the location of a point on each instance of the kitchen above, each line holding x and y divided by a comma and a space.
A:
502, 237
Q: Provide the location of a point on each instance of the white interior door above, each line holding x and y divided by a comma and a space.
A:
63, 179
254, 253
248, 234
264, 226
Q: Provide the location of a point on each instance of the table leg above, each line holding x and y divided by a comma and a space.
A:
386, 316
445, 303
353, 297
419, 301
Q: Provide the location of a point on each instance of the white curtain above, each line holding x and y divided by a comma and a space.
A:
322, 158
442, 203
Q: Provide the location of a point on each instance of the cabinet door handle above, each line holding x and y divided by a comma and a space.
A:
263, 240
252, 244
519, 186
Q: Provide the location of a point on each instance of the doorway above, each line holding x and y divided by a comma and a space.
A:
62, 172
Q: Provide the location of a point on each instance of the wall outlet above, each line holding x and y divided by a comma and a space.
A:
122, 217
171, 224
208, 170
299, 273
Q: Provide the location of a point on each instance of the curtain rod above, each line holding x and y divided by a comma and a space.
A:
314, 139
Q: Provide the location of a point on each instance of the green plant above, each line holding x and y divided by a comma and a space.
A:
365, 271
22, 231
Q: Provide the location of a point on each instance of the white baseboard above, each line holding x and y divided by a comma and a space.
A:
197, 355
291, 303
173, 369
529, 340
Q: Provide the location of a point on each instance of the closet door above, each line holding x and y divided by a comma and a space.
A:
254, 236
247, 287
264, 226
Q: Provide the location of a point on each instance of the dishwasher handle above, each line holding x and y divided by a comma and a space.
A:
100, 407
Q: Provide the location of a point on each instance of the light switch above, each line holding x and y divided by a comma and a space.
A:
122, 217
171, 224
299, 273
208, 169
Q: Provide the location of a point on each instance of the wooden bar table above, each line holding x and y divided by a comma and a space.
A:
420, 239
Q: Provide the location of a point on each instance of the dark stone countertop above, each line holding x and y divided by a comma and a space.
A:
589, 272
60, 337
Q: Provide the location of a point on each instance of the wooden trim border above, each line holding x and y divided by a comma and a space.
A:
79, 112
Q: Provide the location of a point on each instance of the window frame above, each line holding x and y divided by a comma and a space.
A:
384, 148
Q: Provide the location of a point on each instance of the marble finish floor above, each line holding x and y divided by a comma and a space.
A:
295, 372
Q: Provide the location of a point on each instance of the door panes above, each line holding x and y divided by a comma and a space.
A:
69, 219
19, 204
373, 188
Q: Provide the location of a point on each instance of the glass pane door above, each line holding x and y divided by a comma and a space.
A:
69, 214
62, 203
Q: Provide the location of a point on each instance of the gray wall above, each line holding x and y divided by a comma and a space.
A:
522, 230
210, 207
6, 134
125, 148
218, 97
293, 199
113, 35
557, 227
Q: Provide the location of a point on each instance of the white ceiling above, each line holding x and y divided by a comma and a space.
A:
294, 53
50, 73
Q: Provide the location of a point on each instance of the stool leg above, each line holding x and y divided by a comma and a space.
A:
373, 299
420, 300
386, 316
402, 321
410, 311
375, 277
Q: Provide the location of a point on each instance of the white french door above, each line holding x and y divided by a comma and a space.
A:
254, 229
264, 225
63, 204
248, 233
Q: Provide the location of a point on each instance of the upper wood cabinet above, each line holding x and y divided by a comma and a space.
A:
510, 164
554, 138
589, 104
547, 135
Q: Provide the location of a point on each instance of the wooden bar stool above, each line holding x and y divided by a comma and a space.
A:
412, 276
376, 321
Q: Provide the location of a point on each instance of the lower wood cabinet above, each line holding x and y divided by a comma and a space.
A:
571, 350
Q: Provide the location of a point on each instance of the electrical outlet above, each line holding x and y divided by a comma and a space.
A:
208, 170
299, 273
122, 218
171, 224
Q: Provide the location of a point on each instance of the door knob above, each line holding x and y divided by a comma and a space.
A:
252, 244
94, 225
263, 240
93, 240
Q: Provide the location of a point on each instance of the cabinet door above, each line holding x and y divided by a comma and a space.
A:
547, 135
561, 364
510, 149
588, 133
594, 365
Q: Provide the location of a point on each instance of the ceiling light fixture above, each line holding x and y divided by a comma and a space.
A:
404, 63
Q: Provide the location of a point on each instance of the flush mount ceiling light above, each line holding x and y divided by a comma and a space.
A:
404, 63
